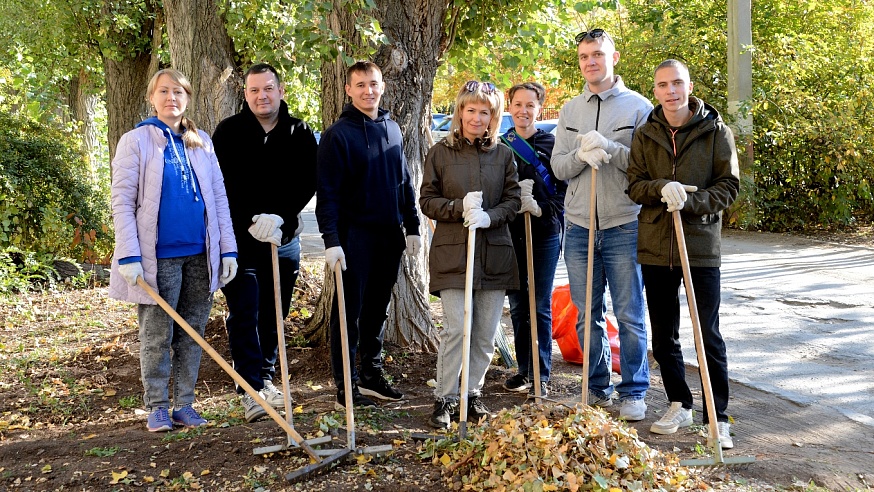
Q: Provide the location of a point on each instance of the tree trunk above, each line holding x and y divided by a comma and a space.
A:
409, 64
126, 79
126, 82
82, 103
201, 49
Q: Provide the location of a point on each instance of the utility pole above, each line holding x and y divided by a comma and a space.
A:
740, 74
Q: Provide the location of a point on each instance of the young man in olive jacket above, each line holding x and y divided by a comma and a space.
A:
269, 162
683, 158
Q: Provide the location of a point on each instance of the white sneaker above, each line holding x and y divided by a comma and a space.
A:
632, 410
273, 396
253, 410
724, 435
673, 419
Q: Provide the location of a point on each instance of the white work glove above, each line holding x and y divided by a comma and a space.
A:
333, 255
477, 219
594, 157
594, 140
529, 204
527, 186
473, 200
674, 194
414, 245
264, 226
229, 269
130, 272
275, 237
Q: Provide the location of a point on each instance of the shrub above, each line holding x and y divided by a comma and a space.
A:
48, 203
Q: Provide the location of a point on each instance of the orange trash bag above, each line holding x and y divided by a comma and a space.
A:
564, 329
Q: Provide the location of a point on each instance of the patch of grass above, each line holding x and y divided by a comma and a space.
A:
102, 452
183, 434
131, 401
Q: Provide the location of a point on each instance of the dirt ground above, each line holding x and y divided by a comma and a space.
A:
70, 417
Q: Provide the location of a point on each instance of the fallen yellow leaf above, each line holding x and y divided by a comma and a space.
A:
47, 469
89, 436
298, 409
148, 479
204, 472
445, 459
118, 476
165, 473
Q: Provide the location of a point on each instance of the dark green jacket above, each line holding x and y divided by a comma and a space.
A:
706, 158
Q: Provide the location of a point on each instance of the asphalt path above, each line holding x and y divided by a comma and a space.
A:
797, 316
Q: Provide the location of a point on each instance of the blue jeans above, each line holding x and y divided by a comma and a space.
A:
251, 321
545, 251
165, 348
614, 265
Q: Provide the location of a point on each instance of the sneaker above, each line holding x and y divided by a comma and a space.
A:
273, 396
444, 409
159, 420
254, 411
544, 389
378, 387
600, 401
358, 399
632, 410
673, 419
517, 383
725, 440
188, 417
476, 409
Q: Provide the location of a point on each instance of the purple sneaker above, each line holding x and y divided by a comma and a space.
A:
159, 420
188, 417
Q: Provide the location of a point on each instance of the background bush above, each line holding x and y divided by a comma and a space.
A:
48, 201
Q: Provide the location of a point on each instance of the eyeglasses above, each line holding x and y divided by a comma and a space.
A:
594, 34
473, 86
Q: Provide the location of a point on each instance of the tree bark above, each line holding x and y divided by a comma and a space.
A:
82, 103
409, 63
201, 49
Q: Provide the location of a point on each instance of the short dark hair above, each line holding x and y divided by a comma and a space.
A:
538, 89
362, 66
670, 62
262, 68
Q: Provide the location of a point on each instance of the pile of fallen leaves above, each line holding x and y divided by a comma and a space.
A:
556, 447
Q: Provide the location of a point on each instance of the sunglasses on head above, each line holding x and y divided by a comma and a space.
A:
594, 34
473, 86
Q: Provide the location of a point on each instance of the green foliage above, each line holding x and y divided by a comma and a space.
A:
21, 270
102, 452
48, 204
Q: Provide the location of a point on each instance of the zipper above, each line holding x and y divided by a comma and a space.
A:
674, 177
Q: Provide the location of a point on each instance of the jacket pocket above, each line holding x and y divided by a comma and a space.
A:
702, 235
449, 253
498, 253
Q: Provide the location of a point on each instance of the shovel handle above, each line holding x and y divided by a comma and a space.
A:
468, 325
280, 335
228, 369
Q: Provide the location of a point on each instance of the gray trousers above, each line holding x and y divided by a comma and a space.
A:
165, 348
487, 307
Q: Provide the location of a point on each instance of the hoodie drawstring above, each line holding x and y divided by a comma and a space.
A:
184, 163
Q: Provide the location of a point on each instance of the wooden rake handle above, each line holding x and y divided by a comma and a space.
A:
347, 369
696, 332
532, 309
228, 369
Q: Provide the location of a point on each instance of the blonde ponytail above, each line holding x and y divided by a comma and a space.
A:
191, 137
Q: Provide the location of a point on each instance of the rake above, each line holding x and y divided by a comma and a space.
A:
713, 437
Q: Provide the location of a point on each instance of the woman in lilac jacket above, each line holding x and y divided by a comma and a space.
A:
173, 228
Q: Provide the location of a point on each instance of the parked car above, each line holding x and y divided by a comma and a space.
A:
443, 128
436, 119
549, 126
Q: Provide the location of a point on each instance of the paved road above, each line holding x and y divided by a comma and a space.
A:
797, 317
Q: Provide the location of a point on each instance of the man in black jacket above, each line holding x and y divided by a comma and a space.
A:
268, 159
365, 207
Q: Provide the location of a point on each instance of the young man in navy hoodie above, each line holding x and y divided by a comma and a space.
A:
269, 162
365, 208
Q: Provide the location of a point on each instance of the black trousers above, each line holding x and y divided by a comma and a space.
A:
373, 256
662, 286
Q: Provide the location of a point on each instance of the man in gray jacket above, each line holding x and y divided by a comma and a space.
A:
594, 134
